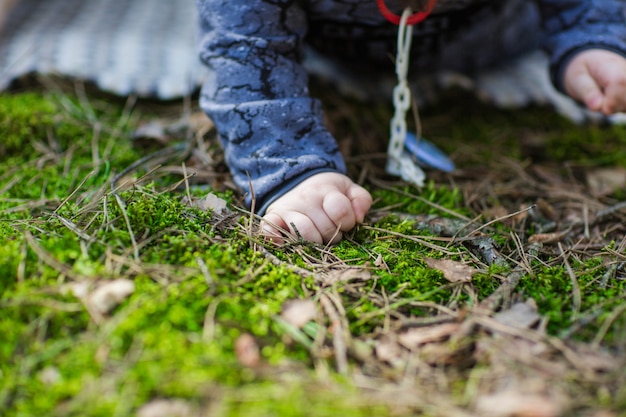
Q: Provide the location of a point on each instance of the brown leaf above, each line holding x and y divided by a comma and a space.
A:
348, 274
531, 356
299, 312
604, 413
166, 408
598, 359
162, 131
458, 353
247, 350
520, 316
547, 237
422, 335
152, 131
453, 271
199, 122
511, 403
604, 181
547, 210
388, 350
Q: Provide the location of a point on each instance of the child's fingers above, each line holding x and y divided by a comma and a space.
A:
317, 228
303, 226
338, 208
615, 93
271, 226
320, 209
597, 78
583, 87
361, 201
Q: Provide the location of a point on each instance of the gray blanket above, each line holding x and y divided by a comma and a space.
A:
145, 47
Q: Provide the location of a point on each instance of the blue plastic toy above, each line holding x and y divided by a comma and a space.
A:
427, 154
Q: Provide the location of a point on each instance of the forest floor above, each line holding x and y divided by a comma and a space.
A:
134, 282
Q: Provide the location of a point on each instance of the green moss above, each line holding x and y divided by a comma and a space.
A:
24, 118
198, 289
535, 133
592, 145
431, 198
564, 302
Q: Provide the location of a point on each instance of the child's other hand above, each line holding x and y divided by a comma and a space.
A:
597, 78
321, 208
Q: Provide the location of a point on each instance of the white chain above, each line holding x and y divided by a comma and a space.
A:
399, 163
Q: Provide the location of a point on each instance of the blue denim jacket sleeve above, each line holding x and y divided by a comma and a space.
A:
574, 25
272, 131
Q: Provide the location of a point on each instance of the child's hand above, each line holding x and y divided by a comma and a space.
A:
321, 208
597, 78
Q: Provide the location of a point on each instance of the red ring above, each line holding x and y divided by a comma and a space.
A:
412, 20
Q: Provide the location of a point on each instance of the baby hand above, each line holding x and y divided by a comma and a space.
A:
320, 208
597, 78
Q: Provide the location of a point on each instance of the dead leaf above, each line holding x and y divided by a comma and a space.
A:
459, 353
520, 316
153, 131
162, 131
453, 271
210, 202
102, 297
547, 210
362, 350
79, 289
512, 403
49, 376
547, 237
604, 413
348, 274
604, 181
110, 294
299, 312
166, 408
199, 122
247, 350
380, 262
598, 359
388, 350
414, 337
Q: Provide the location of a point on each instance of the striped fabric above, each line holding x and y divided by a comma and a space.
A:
144, 47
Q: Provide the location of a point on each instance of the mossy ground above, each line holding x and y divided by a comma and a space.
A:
204, 279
